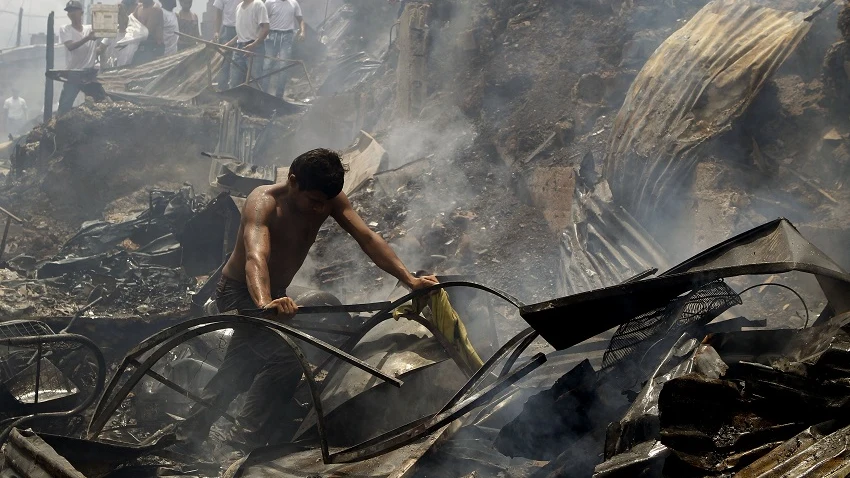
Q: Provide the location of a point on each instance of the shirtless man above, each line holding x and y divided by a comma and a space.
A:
279, 224
150, 15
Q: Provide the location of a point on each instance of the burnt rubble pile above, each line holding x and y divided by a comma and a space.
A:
144, 265
545, 149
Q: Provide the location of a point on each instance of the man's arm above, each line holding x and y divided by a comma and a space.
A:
264, 32
73, 45
217, 19
261, 16
255, 234
374, 245
257, 239
302, 27
299, 17
157, 21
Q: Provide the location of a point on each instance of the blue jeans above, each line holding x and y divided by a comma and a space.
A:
225, 35
70, 90
238, 73
278, 45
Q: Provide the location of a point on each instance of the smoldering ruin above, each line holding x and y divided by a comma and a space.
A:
636, 213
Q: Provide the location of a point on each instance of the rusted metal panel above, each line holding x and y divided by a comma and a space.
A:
701, 78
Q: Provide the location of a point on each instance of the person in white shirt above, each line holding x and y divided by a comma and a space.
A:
15, 109
170, 26
81, 54
284, 19
224, 22
252, 27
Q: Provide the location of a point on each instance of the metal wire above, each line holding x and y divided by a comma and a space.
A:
806, 307
23, 328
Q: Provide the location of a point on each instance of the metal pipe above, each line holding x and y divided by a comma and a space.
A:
20, 23
37, 374
48, 82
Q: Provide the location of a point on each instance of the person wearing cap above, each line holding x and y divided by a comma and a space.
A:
81, 54
252, 27
224, 24
285, 18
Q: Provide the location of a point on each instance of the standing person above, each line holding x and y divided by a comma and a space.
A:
187, 23
252, 27
279, 225
170, 26
120, 56
79, 40
224, 22
15, 109
153, 47
284, 17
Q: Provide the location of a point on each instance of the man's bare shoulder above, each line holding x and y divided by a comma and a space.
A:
260, 204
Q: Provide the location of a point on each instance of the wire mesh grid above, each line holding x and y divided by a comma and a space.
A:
696, 308
23, 328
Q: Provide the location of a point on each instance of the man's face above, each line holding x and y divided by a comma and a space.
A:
75, 14
309, 202
186, 4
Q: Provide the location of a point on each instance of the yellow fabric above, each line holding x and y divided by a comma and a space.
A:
449, 324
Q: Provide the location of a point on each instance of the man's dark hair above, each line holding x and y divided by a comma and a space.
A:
319, 170
168, 4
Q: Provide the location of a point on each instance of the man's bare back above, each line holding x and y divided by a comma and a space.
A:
151, 17
291, 234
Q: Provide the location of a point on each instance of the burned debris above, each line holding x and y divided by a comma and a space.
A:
547, 162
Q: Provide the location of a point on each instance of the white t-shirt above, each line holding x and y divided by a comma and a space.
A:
248, 20
228, 11
15, 108
83, 57
170, 27
282, 14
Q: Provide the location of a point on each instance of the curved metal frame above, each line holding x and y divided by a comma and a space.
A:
47, 339
159, 344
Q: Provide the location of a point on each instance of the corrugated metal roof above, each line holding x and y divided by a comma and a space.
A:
700, 79
178, 77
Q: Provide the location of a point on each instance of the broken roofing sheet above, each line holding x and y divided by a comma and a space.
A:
175, 78
772, 248
701, 78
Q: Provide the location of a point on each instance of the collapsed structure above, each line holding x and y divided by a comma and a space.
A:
680, 136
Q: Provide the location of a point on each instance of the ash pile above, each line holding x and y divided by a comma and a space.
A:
521, 151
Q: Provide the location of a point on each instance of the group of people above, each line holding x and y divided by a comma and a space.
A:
267, 30
85, 52
163, 25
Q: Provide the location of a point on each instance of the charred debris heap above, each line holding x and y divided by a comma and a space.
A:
691, 124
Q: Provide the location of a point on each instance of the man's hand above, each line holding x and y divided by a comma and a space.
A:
90, 36
250, 47
282, 309
300, 35
216, 37
423, 282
